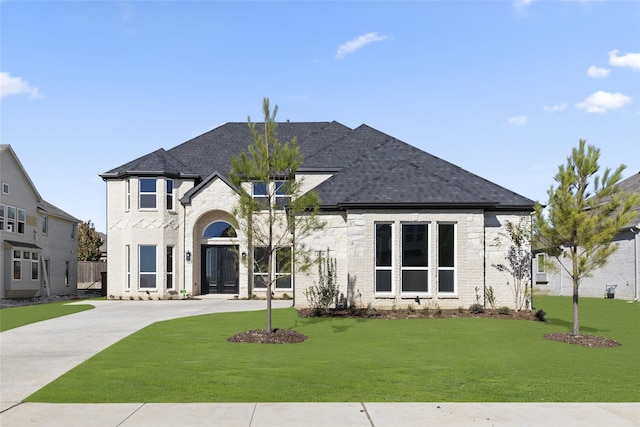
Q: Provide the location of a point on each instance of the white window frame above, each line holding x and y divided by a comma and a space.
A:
17, 262
170, 194
453, 268
282, 274
127, 262
147, 193
389, 268
256, 270
127, 200
149, 273
540, 267
21, 221
170, 261
2, 217
11, 222
5, 188
35, 261
415, 268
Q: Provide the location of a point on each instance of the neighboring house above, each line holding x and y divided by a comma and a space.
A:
621, 274
39, 255
400, 222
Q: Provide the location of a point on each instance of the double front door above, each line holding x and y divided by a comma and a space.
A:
219, 269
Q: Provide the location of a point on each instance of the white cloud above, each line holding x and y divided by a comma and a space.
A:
355, 44
601, 102
518, 120
598, 73
16, 86
629, 60
521, 5
553, 108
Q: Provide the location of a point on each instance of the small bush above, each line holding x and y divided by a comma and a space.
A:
460, 309
540, 315
438, 310
476, 308
504, 310
410, 308
425, 311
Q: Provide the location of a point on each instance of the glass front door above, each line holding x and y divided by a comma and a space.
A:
219, 269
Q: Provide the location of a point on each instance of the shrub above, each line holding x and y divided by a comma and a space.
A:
324, 293
540, 315
476, 308
425, 311
504, 310
410, 308
438, 310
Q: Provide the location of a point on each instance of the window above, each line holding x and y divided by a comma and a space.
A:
128, 196
169, 194
147, 266
22, 218
73, 231
17, 265
127, 260
147, 193
169, 267
260, 194
219, 229
260, 267
1, 217
45, 225
26, 255
35, 269
66, 273
446, 258
11, 219
415, 258
5, 188
283, 196
283, 268
540, 263
278, 189
384, 257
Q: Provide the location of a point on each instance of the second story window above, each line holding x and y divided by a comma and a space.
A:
277, 190
11, 219
22, 218
169, 194
261, 193
1, 217
147, 193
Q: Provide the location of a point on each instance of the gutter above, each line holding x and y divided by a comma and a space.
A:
635, 230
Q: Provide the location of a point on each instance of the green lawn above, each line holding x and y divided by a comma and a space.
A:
19, 316
189, 360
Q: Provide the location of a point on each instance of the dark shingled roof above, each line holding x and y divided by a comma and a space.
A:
370, 168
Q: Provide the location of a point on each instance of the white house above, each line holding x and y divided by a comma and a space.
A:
39, 255
400, 222
621, 274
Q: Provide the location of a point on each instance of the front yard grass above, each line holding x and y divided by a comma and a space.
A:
14, 317
370, 360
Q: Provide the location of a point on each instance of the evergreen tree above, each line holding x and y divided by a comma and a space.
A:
585, 211
89, 242
274, 222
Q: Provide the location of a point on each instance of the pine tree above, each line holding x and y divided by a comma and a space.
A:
585, 211
284, 214
89, 242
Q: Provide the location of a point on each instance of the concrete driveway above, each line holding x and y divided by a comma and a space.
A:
34, 355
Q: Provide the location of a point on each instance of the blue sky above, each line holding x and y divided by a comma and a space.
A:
503, 89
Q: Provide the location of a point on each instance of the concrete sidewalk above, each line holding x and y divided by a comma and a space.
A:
34, 355
322, 414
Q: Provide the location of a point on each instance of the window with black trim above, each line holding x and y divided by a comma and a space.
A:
169, 191
148, 266
415, 258
384, 258
446, 258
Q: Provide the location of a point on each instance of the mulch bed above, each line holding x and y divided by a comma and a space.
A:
261, 336
584, 340
418, 313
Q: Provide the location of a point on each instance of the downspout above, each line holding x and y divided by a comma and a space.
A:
184, 248
484, 262
635, 230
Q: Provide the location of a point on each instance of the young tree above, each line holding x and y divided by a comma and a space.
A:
585, 211
518, 265
89, 242
282, 213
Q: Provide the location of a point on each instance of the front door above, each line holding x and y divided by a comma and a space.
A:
219, 269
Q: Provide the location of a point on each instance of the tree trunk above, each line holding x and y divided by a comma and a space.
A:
576, 321
269, 330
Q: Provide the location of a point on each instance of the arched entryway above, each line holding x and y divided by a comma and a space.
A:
219, 255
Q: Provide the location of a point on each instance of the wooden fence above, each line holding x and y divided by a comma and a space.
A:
90, 274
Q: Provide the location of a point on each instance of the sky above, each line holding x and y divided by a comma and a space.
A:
503, 89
